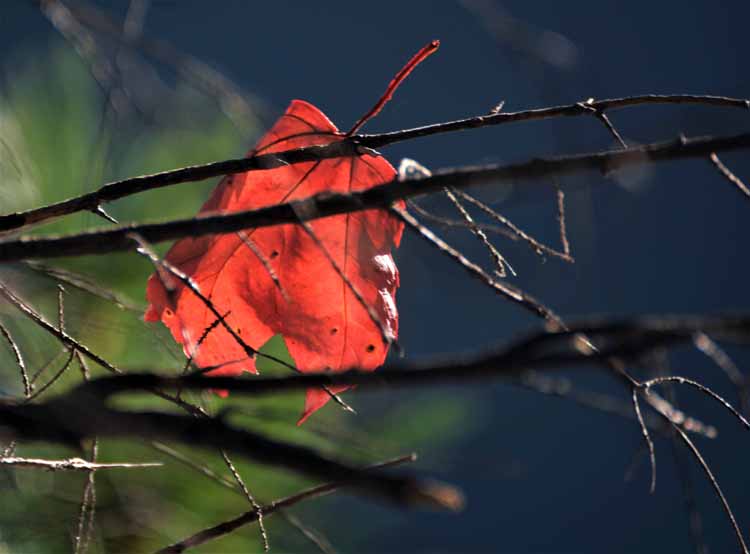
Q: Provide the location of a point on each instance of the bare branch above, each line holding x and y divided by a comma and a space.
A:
561, 220
714, 483
88, 507
508, 291
702, 388
257, 508
500, 261
601, 116
646, 438
55, 377
82, 283
731, 177
705, 344
327, 204
349, 146
543, 350
539, 248
71, 464
231, 99
386, 334
164, 265
227, 527
27, 386
446, 222
264, 261
67, 420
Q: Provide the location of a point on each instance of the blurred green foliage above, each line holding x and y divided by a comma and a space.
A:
58, 139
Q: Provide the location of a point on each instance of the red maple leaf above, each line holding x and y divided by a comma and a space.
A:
328, 286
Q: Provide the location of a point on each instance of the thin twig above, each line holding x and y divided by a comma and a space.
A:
447, 222
27, 386
562, 388
264, 261
69, 419
88, 506
200, 468
60, 307
646, 438
538, 247
714, 483
70, 464
211, 474
731, 177
695, 525
81, 349
228, 95
55, 377
159, 263
708, 346
508, 291
82, 283
227, 527
500, 260
254, 503
313, 535
702, 388
601, 116
386, 333
207, 331
561, 221
39, 372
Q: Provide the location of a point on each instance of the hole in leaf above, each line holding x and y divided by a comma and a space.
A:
334, 331
274, 254
370, 348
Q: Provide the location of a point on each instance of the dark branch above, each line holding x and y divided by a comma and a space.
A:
231, 525
346, 147
66, 420
628, 339
382, 196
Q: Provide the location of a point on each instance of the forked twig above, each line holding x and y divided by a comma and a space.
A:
539, 247
227, 527
257, 508
702, 388
500, 260
55, 377
447, 222
508, 291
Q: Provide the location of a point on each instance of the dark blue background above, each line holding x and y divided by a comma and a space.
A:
541, 475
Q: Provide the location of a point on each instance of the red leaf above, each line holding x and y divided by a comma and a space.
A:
281, 280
